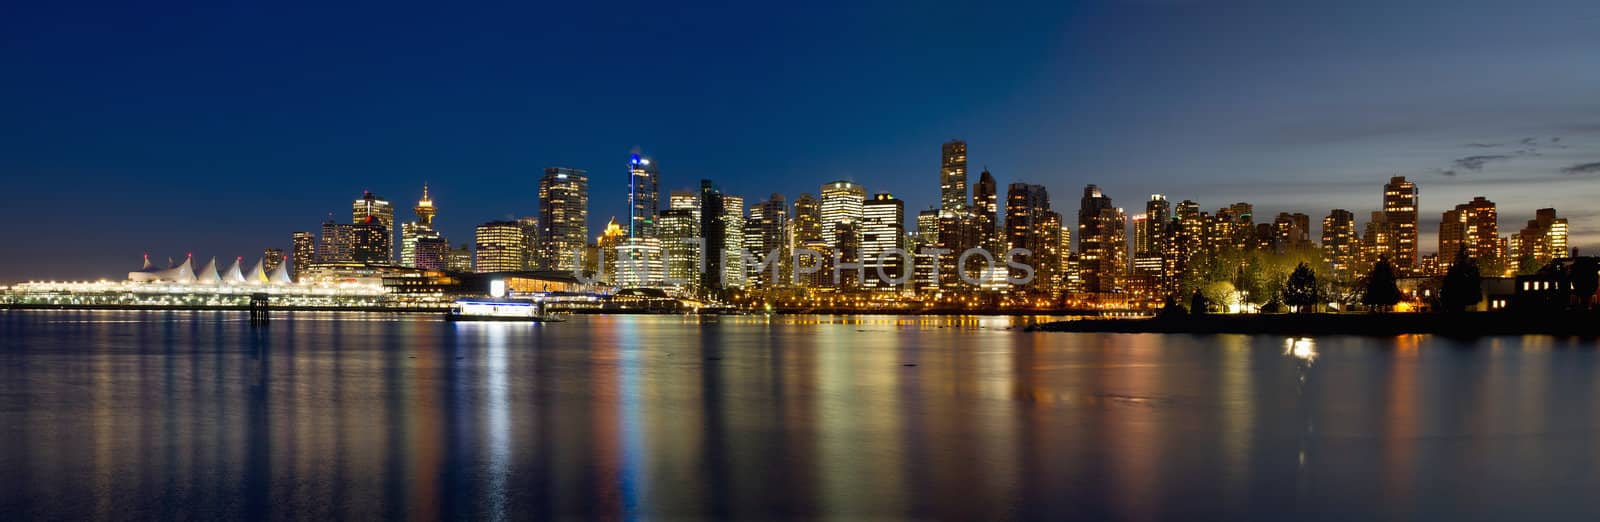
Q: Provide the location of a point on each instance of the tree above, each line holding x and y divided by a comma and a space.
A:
1585, 280
1463, 285
1198, 303
1382, 291
1301, 289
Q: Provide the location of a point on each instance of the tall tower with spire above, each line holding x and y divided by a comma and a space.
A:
424, 208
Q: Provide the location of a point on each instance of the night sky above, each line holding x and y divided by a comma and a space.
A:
219, 128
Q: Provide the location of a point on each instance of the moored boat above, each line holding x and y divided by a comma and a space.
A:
500, 310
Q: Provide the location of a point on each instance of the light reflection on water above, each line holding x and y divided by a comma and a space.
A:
325, 416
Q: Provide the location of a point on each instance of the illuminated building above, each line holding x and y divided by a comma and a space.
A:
715, 230
1340, 245
841, 203
986, 213
1150, 238
679, 232
499, 246
433, 253
1474, 226
304, 248
1102, 242
927, 228
640, 262
415, 231
687, 200
563, 218
1188, 230
733, 241
882, 230
1400, 213
371, 206
372, 242
958, 233
337, 244
1543, 239
273, 258
1290, 232
807, 234
953, 175
1030, 224
530, 242
766, 232
643, 197
1376, 242
459, 259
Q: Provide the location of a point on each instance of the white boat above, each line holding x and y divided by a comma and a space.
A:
500, 310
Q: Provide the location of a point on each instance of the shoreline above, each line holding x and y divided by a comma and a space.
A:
1469, 324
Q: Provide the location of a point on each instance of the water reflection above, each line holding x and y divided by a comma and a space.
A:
330, 416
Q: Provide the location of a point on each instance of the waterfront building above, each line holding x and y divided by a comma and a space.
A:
986, 213
304, 248
413, 232
274, 258
953, 175
563, 218
766, 232
643, 196
499, 246
732, 217
806, 234
1031, 225
337, 244
372, 206
679, 232
1102, 243
1340, 244
841, 203
1544, 238
372, 242
882, 230
459, 259
1475, 227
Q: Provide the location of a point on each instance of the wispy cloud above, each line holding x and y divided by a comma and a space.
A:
1476, 163
1583, 168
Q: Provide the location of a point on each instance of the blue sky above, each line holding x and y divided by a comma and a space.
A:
219, 128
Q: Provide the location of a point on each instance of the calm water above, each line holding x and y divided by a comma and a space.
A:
352, 416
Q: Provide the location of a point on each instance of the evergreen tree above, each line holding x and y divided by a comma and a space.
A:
1463, 285
1382, 290
1301, 289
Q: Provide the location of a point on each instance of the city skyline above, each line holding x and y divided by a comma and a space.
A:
221, 167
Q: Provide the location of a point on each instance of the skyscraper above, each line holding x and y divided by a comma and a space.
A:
411, 233
1400, 212
369, 205
733, 246
953, 175
986, 213
500, 247
337, 244
767, 232
1340, 242
807, 234
715, 231
841, 204
304, 248
563, 218
1102, 243
1150, 231
272, 258
530, 242
373, 243
882, 230
678, 228
643, 196
433, 253
1029, 225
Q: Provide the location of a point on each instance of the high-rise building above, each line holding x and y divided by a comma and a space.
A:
882, 230
643, 196
733, 245
411, 233
1102, 242
766, 232
1475, 227
1377, 242
1150, 238
1543, 239
1340, 244
679, 232
715, 231
841, 203
807, 234
373, 242
459, 259
369, 205
500, 247
433, 253
953, 175
986, 213
927, 228
1290, 232
337, 244
1030, 224
304, 245
530, 242
563, 218
1400, 212
272, 258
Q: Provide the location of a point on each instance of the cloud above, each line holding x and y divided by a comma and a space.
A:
1476, 163
1583, 168
1531, 142
1477, 145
